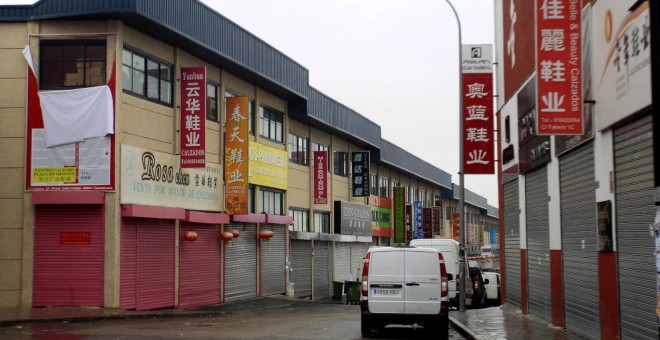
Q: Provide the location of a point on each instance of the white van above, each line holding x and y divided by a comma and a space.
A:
404, 285
450, 250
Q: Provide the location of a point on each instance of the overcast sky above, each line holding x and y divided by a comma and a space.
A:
392, 61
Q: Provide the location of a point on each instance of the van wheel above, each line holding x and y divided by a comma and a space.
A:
438, 329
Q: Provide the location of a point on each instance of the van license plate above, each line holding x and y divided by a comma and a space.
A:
386, 291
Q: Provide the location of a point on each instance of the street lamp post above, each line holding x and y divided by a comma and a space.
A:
461, 190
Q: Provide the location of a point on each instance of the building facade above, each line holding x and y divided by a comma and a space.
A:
114, 219
577, 212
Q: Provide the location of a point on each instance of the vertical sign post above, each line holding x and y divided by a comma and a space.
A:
559, 67
360, 173
320, 180
193, 117
399, 215
478, 118
236, 156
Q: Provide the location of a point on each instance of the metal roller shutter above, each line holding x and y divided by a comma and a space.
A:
342, 261
68, 255
512, 243
128, 271
635, 211
579, 244
358, 250
322, 265
301, 265
273, 262
155, 264
199, 266
241, 263
538, 247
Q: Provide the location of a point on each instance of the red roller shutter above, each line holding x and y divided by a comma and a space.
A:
199, 266
68, 255
128, 264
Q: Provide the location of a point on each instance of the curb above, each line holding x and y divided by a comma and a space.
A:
462, 329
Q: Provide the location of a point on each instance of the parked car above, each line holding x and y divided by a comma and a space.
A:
478, 287
493, 294
450, 252
404, 285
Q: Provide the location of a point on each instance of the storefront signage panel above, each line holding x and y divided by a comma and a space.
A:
193, 117
236, 151
559, 67
622, 59
399, 215
360, 173
268, 166
353, 219
155, 178
518, 44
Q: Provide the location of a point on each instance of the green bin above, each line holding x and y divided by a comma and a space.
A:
338, 287
352, 292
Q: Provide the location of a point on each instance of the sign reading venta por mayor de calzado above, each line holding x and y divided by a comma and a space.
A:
155, 178
352, 219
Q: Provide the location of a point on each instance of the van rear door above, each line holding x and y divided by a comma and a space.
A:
386, 281
422, 286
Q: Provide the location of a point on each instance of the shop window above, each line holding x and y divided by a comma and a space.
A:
250, 109
212, 102
271, 124
65, 64
322, 222
384, 187
147, 77
373, 184
272, 202
300, 220
298, 149
340, 166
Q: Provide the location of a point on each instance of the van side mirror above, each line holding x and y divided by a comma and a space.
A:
450, 277
486, 281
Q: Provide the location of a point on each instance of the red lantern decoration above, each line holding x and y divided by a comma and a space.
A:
234, 233
266, 234
189, 236
226, 236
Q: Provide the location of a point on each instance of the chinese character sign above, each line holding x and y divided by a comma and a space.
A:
478, 130
399, 215
236, 156
320, 177
193, 117
360, 173
559, 67
417, 220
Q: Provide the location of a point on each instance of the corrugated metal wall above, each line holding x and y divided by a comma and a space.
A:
155, 264
68, 274
342, 261
199, 266
358, 250
128, 264
322, 270
538, 246
301, 266
273, 262
635, 212
241, 263
579, 241
512, 243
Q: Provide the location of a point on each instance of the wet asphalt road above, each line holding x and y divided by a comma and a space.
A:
305, 320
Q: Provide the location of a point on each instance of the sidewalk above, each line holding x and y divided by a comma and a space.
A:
502, 322
506, 322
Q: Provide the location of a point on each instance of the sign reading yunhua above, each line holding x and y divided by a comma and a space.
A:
478, 136
236, 156
193, 117
320, 177
360, 173
559, 67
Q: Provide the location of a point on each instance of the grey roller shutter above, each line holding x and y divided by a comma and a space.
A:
358, 250
512, 243
301, 265
342, 261
241, 263
633, 167
579, 241
273, 262
322, 265
538, 247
